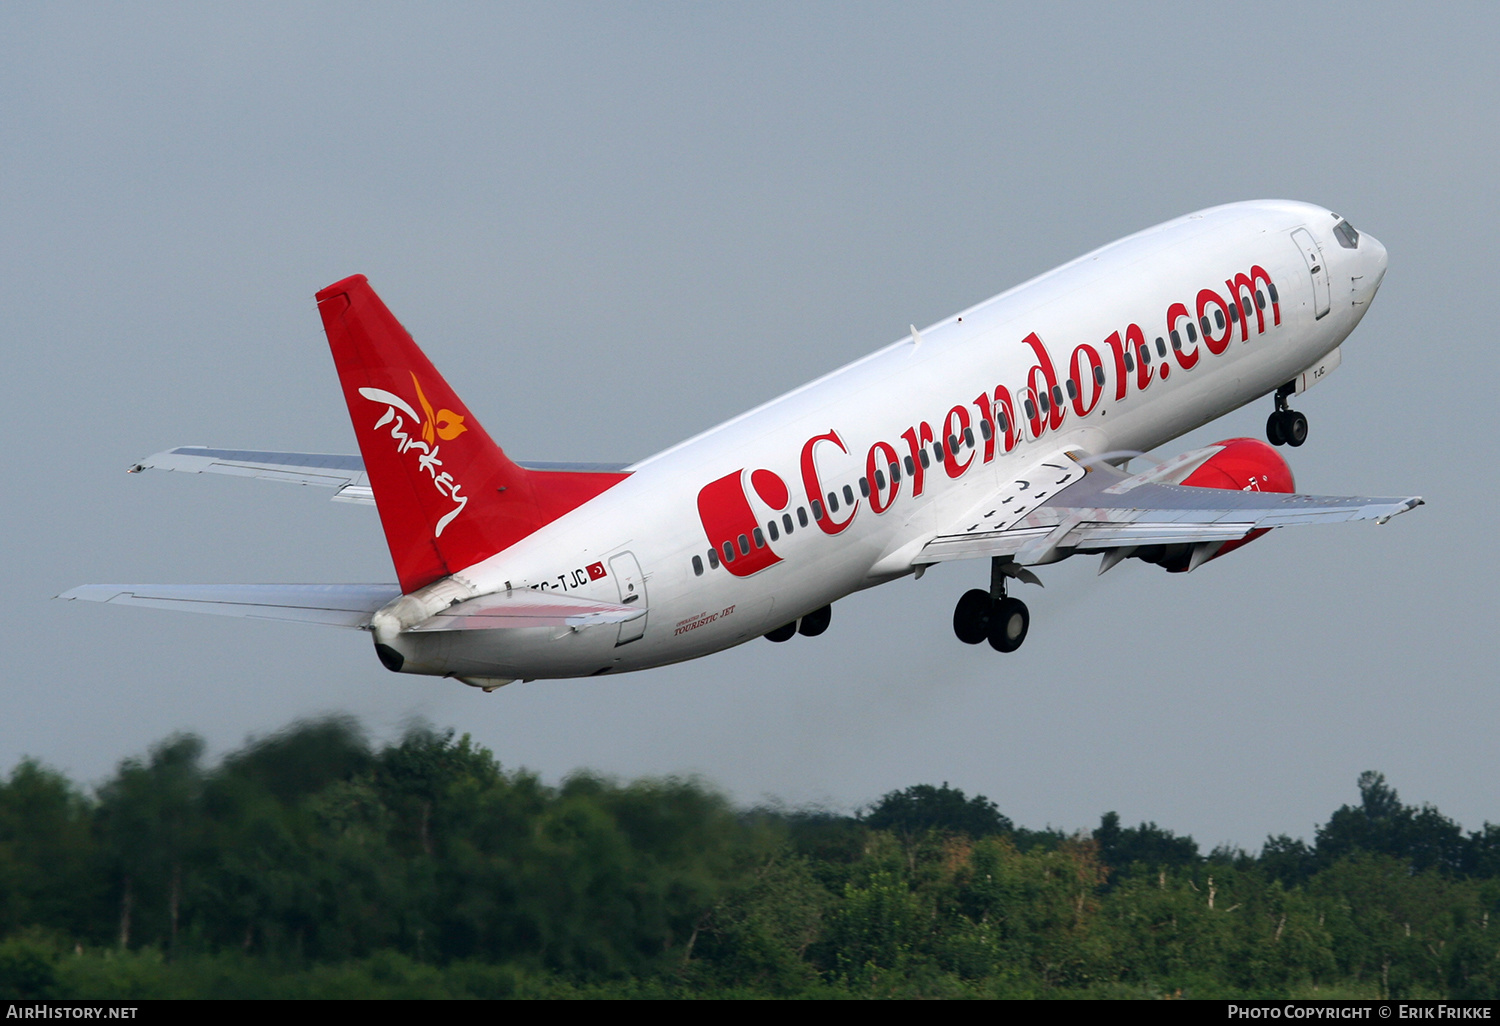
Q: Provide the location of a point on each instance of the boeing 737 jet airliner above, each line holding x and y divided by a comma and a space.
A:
997, 433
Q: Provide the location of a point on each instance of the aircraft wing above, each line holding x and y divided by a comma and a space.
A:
1071, 502
345, 473
352, 605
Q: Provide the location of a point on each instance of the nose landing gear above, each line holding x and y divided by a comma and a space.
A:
992, 615
1286, 426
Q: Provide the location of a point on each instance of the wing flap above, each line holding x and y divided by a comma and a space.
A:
1097, 507
330, 605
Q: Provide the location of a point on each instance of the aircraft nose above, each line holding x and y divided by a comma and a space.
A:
1375, 259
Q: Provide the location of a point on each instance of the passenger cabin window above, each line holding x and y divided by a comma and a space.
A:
1260, 299
1192, 332
817, 508
879, 478
760, 539
1203, 322
771, 530
833, 502
864, 487
1129, 362
698, 566
1176, 341
926, 459
1347, 236
713, 559
1004, 421
802, 516
1072, 389
1234, 313
786, 522
1161, 346
1145, 355
969, 437
1218, 319
1099, 376
1245, 304
744, 545
849, 494
1043, 402
1271, 288
895, 472
910, 469
1030, 409
984, 429
729, 552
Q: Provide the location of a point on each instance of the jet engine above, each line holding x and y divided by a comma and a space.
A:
1242, 464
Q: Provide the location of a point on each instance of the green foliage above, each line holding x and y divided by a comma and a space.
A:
50, 864
311, 863
1147, 846
924, 807
1424, 838
28, 967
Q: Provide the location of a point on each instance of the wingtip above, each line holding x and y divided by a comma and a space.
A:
1406, 507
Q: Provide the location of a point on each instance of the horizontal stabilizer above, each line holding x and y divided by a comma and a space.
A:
332, 605
353, 605
345, 472
527, 608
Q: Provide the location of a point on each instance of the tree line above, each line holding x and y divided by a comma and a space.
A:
314, 863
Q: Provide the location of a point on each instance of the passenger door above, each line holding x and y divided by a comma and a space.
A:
1317, 267
626, 571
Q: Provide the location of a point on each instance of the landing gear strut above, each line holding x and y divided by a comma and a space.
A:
1286, 426
992, 615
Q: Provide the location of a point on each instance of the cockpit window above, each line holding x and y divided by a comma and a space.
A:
1347, 236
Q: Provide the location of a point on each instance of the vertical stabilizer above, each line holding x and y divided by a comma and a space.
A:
448, 496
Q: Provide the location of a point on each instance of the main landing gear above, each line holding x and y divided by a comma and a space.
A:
992, 615
809, 626
1284, 426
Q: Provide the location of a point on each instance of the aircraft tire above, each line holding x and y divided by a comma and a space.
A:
971, 617
1009, 623
1295, 428
782, 633
1275, 428
816, 622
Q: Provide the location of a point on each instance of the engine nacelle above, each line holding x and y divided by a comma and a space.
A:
1241, 464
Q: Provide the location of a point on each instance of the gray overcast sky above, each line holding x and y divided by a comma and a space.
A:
615, 225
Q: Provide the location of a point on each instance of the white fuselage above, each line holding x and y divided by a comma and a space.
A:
653, 531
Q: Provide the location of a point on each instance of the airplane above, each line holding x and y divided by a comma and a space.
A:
1001, 433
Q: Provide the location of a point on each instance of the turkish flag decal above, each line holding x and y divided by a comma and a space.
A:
596, 571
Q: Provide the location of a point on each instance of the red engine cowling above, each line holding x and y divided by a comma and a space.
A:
1243, 464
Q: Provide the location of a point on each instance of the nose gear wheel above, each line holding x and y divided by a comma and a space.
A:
1285, 426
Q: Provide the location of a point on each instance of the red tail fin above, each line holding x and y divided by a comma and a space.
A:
448, 497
